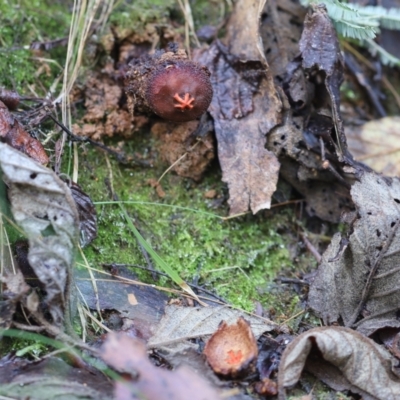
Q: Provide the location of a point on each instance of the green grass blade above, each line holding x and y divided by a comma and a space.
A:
160, 262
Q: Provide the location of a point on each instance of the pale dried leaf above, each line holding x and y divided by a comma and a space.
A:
376, 143
345, 360
43, 207
358, 279
182, 323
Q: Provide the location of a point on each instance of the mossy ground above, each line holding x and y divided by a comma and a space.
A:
236, 258
23, 22
131, 15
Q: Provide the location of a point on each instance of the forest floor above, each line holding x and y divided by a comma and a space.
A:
256, 211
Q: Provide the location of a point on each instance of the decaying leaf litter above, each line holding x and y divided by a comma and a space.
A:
275, 109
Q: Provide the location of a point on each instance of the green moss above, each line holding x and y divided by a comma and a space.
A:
206, 12
37, 20
236, 258
133, 15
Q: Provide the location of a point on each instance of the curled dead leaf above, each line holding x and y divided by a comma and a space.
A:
343, 359
42, 205
232, 348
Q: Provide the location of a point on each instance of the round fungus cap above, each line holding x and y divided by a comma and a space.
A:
179, 91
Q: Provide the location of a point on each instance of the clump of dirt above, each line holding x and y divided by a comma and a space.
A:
174, 144
106, 115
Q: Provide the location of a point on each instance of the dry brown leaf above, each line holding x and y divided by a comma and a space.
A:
245, 108
13, 133
129, 356
182, 323
232, 348
282, 23
320, 51
343, 359
358, 279
311, 122
43, 207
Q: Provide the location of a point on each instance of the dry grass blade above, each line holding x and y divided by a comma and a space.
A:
189, 24
83, 21
6, 258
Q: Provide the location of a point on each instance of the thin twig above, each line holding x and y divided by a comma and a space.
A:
311, 248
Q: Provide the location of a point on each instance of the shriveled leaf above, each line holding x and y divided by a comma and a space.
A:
358, 279
43, 207
321, 54
129, 355
311, 118
326, 197
270, 354
231, 348
245, 108
343, 359
182, 323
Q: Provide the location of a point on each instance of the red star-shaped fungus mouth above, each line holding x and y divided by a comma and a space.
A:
185, 103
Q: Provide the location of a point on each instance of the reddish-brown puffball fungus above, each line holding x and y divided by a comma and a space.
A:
170, 86
179, 92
